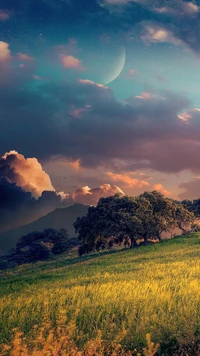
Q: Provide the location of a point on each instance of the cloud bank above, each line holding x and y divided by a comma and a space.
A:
26, 192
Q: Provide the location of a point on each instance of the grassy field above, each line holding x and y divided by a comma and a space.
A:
112, 300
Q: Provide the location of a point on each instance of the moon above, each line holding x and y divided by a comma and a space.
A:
118, 65
105, 63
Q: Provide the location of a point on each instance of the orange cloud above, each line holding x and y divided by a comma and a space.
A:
27, 173
146, 176
127, 180
4, 51
74, 164
71, 62
159, 187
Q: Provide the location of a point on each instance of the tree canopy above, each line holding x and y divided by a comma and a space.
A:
124, 219
41, 245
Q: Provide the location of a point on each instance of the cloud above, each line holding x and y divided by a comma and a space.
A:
37, 77
127, 180
132, 73
27, 173
5, 53
71, 62
4, 15
19, 207
83, 121
191, 189
114, 2
90, 196
145, 95
74, 164
153, 33
90, 82
26, 192
162, 6
24, 57
159, 187
172, 21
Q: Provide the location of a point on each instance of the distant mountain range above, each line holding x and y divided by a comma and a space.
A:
59, 218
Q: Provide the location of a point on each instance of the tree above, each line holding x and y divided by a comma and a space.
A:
183, 218
39, 251
42, 245
111, 221
4, 265
126, 219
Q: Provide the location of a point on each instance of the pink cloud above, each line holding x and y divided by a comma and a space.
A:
71, 62
24, 57
70, 48
132, 73
77, 113
87, 81
90, 196
4, 15
36, 77
145, 95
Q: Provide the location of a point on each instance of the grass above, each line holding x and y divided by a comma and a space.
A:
115, 299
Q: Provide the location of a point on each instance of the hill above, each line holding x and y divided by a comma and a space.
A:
112, 300
59, 218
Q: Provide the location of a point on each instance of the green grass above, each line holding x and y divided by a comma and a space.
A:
126, 294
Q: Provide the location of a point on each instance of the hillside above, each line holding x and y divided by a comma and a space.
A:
114, 299
59, 218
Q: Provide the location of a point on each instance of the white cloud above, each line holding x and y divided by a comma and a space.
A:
153, 33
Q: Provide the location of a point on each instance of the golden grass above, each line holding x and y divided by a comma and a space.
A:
110, 302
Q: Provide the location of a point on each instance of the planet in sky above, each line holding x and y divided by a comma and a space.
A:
118, 65
105, 64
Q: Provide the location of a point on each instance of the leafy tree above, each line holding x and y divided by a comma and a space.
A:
183, 218
39, 251
4, 264
126, 219
42, 245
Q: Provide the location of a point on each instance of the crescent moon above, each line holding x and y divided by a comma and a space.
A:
118, 65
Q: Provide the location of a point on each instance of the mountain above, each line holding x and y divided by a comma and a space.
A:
59, 218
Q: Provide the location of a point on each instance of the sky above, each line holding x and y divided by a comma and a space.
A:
100, 96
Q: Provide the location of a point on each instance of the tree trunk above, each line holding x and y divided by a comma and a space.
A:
145, 239
133, 242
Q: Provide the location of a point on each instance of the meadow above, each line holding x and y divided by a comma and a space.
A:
106, 304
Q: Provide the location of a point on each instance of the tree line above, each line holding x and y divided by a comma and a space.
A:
114, 221
124, 219
38, 246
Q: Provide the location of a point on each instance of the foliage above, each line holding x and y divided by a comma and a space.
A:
123, 219
192, 206
124, 295
38, 245
4, 264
